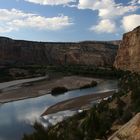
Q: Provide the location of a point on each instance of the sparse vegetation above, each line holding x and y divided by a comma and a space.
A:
58, 90
19, 72
92, 84
41, 70
92, 71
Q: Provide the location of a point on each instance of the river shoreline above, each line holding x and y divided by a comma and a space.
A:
18, 116
43, 87
82, 102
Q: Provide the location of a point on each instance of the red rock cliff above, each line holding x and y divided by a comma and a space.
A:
29, 52
128, 56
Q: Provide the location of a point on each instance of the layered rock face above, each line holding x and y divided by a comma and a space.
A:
85, 53
128, 56
130, 131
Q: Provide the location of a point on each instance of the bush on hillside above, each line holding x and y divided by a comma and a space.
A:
127, 115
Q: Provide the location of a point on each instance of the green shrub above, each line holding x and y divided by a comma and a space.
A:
85, 86
58, 90
127, 115
92, 84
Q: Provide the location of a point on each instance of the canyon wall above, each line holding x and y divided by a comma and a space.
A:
85, 53
129, 131
128, 56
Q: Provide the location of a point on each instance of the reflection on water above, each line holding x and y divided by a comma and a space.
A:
16, 117
53, 119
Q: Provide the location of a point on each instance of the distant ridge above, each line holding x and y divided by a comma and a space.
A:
86, 41
21, 52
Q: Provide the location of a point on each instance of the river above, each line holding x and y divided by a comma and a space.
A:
17, 117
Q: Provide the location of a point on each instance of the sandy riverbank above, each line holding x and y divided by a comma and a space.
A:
82, 102
43, 87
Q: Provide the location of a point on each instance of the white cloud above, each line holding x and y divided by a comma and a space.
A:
106, 8
86, 4
54, 23
114, 12
108, 12
51, 2
104, 26
6, 15
130, 22
15, 19
134, 2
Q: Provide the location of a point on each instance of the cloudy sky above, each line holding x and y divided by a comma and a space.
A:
68, 20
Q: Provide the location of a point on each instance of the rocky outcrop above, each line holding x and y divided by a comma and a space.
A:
130, 131
85, 53
128, 56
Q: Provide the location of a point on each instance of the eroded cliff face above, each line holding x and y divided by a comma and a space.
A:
85, 53
129, 131
128, 56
